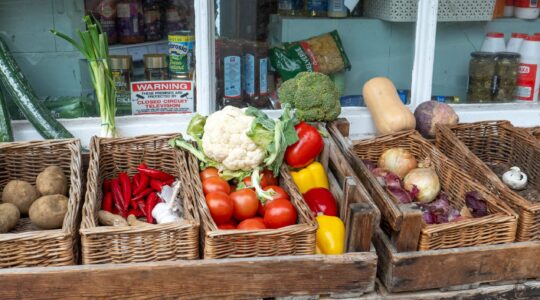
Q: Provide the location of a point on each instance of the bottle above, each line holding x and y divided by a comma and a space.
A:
152, 20
337, 9
529, 75
255, 73
498, 12
231, 70
316, 8
515, 42
526, 9
130, 21
509, 8
290, 7
494, 42
105, 13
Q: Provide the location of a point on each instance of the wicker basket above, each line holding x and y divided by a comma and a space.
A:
107, 244
498, 227
449, 10
474, 145
27, 245
534, 131
296, 239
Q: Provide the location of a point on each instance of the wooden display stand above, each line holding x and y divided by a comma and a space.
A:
350, 275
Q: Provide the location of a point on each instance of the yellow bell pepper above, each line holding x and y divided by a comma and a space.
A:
312, 176
330, 235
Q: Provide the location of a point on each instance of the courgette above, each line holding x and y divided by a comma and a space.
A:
6, 135
23, 95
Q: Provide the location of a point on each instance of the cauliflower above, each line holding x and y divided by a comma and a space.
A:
314, 95
226, 142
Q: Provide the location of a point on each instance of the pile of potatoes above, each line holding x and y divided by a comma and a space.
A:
46, 204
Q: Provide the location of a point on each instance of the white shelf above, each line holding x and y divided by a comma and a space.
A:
138, 50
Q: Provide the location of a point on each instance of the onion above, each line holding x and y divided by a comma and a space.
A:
426, 181
397, 160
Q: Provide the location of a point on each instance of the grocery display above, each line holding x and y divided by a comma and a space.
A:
314, 162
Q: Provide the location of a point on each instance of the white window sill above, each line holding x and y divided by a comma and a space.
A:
520, 114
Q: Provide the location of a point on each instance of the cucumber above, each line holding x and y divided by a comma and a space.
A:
21, 93
6, 135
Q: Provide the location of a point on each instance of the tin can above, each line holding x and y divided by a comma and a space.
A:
181, 45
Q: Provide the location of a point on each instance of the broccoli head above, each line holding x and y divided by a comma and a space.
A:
314, 95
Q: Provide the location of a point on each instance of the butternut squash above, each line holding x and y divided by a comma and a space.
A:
388, 112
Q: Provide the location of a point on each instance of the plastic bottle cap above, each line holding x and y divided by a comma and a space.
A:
534, 38
495, 34
521, 35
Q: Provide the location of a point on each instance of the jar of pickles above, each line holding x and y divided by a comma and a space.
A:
506, 76
481, 72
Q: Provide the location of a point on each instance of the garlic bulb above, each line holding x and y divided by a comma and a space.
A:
515, 179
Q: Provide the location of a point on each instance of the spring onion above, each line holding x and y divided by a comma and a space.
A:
94, 47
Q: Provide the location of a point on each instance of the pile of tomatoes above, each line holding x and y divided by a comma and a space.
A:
233, 208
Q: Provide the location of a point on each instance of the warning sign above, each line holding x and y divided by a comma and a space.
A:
161, 97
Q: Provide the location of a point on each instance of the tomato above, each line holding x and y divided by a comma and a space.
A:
260, 210
279, 213
279, 192
221, 207
215, 184
252, 224
267, 178
245, 204
208, 172
231, 224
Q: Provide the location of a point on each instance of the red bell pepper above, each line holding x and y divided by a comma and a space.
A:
151, 202
310, 143
155, 174
320, 200
107, 204
125, 183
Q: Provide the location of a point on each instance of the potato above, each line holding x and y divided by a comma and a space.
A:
20, 193
48, 211
9, 216
52, 181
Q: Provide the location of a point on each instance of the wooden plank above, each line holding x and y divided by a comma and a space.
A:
361, 227
223, 279
343, 126
421, 270
406, 239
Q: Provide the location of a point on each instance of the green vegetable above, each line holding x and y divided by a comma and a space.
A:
6, 135
20, 91
314, 96
95, 48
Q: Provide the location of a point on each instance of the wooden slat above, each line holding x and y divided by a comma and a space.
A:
361, 227
223, 279
421, 270
343, 126
406, 239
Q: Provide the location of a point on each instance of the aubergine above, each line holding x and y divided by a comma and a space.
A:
20, 91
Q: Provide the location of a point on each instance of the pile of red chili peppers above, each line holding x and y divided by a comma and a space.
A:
136, 196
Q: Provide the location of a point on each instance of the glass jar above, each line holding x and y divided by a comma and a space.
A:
122, 71
506, 76
155, 67
481, 73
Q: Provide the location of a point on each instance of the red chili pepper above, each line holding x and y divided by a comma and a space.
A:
143, 184
142, 195
151, 202
156, 185
320, 200
169, 182
155, 174
136, 212
142, 206
108, 202
119, 202
310, 143
106, 185
136, 182
125, 183
142, 166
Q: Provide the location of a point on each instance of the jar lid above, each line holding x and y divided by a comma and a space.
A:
155, 61
519, 35
508, 55
120, 62
480, 54
495, 34
533, 38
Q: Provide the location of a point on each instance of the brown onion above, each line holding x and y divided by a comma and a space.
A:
398, 161
426, 181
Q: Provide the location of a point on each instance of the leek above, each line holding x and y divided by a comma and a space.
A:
94, 46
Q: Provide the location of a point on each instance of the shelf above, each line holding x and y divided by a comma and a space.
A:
138, 50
